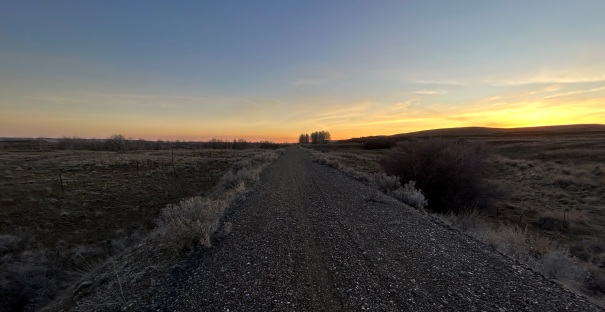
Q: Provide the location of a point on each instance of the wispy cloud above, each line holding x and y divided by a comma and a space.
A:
493, 98
547, 89
552, 79
405, 104
524, 95
430, 92
440, 82
575, 92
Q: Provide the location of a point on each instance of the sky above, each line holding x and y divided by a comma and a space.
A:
270, 70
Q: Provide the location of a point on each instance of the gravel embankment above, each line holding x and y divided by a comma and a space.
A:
310, 239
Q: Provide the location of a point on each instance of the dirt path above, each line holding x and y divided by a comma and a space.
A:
309, 239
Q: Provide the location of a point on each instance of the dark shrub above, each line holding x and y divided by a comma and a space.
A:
379, 143
450, 173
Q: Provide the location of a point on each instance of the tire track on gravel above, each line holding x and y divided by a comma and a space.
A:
317, 283
374, 278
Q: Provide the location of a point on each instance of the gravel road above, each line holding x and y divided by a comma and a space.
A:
309, 238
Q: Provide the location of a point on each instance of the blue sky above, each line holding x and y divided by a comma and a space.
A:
273, 69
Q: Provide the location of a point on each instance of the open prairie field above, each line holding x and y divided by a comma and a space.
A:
550, 187
86, 197
552, 183
555, 184
63, 211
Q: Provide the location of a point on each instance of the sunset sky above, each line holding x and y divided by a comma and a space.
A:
270, 70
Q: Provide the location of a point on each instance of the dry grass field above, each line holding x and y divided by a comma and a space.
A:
550, 206
86, 197
63, 212
554, 189
555, 184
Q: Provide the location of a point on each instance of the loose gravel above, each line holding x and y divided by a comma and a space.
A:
309, 238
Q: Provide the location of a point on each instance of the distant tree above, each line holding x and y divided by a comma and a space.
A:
324, 136
316, 137
240, 144
304, 138
116, 142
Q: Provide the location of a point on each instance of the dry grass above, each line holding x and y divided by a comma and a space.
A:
536, 251
551, 215
62, 213
192, 222
555, 189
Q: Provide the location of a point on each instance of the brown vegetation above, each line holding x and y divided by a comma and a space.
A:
65, 213
549, 214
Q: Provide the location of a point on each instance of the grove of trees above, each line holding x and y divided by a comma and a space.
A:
317, 137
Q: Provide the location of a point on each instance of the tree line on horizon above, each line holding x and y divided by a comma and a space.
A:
317, 137
120, 143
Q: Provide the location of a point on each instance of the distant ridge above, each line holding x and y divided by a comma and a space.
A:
472, 131
484, 131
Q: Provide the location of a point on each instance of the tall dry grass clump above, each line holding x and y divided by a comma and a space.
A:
192, 221
450, 173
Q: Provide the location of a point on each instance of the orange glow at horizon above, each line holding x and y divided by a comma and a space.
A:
341, 120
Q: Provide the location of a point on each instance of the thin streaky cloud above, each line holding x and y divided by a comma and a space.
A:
430, 92
575, 92
440, 82
547, 89
546, 79
493, 98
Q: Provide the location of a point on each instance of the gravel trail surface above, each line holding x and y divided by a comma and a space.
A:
309, 238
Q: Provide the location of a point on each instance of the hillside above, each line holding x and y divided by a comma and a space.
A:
486, 131
475, 131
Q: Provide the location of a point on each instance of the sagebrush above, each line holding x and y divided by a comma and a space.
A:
191, 221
